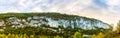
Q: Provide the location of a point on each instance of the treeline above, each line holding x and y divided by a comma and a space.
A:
26, 36
54, 15
16, 36
45, 31
50, 31
76, 35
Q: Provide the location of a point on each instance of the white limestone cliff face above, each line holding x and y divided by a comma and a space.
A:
37, 21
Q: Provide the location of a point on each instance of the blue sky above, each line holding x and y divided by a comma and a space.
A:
101, 3
105, 10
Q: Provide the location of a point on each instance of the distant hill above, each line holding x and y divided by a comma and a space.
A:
56, 22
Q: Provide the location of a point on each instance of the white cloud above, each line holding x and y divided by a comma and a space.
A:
35, 10
113, 2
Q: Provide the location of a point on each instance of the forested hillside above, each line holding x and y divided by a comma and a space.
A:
50, 25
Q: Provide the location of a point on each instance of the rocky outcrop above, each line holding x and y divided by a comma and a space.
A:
37, 21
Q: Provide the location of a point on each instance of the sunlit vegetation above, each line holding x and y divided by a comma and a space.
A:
76, 35
94, 36
46, 33
100, 35
115, 33
26, 36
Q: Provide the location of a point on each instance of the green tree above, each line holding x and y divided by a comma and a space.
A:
77, 35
